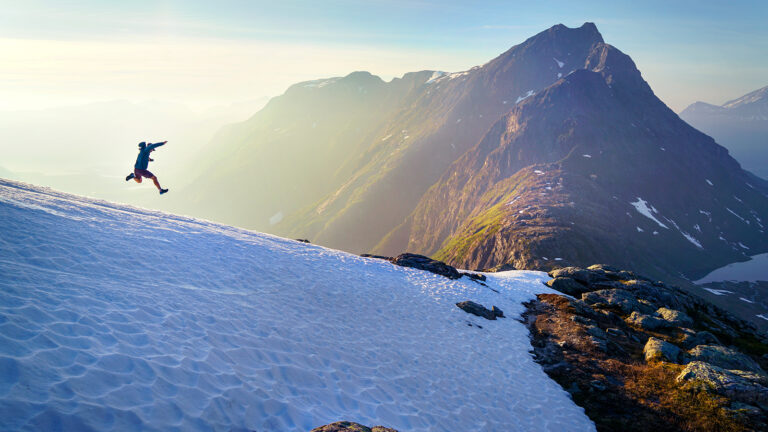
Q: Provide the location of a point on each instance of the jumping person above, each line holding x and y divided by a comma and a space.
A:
142, 162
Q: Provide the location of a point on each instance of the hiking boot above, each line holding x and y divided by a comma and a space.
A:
129, 176
162, 191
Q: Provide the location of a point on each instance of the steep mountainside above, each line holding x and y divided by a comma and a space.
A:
593, 169
741, 125
358, 154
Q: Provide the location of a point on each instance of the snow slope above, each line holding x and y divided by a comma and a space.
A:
118, 318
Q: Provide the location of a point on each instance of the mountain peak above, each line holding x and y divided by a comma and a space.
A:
588, 30
749, 98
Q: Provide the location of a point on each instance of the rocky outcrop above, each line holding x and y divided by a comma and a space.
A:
659, 350
643, 321
703, 368
568, 286
726, 358
613, 298
422, 262
346, 426
736, 384
480, 310
674, 317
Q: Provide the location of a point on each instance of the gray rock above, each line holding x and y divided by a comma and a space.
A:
726, 358
480, 310
615, 332
738, 385
596, 332
603, 267
425, 263
674, 317
659, 350
599, 343
575, 273
701, 338
645, 322
582, 320
617, 298
567, 285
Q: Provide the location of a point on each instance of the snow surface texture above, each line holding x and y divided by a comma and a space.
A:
117, 318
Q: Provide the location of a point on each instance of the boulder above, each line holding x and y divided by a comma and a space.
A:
480, 310
618, 298
659, 350
738, 385
425, 263
674, 317
615, 332
567, 285
645, 322
575, 273
701, 338
725, 358
346, 426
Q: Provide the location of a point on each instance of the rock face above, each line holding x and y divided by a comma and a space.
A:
739, 385
425, 263
659, 350
624, 316
480, 310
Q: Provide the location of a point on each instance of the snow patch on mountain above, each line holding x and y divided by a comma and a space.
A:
119, 318
525, 96
644, 209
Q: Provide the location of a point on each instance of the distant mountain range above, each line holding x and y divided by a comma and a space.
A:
741, 125
556, 152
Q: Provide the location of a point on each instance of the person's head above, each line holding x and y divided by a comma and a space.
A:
142, 145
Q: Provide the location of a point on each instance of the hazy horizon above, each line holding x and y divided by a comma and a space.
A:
203, 56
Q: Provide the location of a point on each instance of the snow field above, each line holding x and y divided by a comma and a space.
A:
117, 318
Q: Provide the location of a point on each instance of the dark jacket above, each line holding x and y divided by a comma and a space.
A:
142, 162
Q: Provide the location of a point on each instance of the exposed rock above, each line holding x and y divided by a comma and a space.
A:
739, 385
474, 276
568, 286
645, 322
674, 317
615, 332
726, 358
617, 298
425, 263
388, 258
302, 240
578, 274
582, 320
346, 426
659, 350
603, 267
596, 332
480, 310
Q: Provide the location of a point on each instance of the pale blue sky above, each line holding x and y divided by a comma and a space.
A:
216, 52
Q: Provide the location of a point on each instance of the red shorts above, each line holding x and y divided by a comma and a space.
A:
138, 172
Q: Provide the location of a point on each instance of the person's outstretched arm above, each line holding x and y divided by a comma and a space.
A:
156, 145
